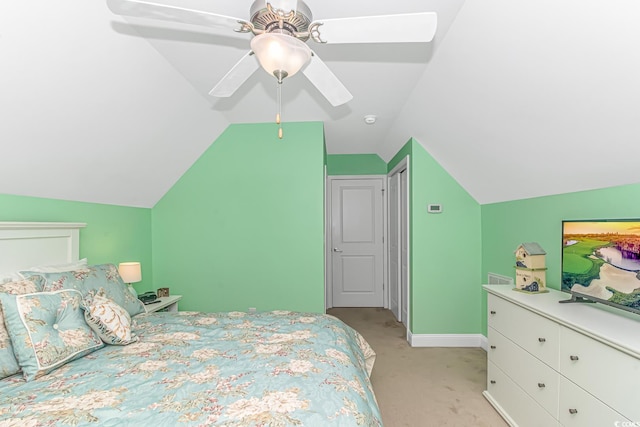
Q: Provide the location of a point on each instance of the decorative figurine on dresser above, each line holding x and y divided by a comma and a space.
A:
530, 268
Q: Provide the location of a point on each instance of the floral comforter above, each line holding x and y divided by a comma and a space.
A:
208, 369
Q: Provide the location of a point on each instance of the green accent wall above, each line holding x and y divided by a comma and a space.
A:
113, 234
506, 225
244, 226
444, 266
355, 164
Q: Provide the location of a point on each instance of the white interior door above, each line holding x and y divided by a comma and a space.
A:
357, 242
404, 248
394, 245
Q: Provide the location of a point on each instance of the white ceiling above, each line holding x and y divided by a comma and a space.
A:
515, 99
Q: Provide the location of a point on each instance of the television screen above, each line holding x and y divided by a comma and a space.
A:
601, 261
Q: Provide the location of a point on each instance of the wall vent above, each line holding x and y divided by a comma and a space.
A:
498, 279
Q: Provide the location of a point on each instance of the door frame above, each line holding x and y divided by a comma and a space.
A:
393, 212
403, 165
328, 283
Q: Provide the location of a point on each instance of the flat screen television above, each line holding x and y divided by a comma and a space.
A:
601, 262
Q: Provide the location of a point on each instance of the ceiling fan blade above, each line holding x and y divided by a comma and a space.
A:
404, 28
327, 83
165, 12
239, 74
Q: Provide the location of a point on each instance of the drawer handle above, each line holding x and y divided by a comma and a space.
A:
542, 340
493, 347
573, 411
541, 385
492, 381
493, 312
574, 358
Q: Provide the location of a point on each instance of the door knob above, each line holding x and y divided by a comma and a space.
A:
337, 250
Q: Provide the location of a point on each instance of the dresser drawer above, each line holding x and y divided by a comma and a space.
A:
536, 378
536, 334
512, 400
578, 408
608, 374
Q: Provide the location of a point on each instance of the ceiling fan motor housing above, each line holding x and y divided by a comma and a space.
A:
264, 19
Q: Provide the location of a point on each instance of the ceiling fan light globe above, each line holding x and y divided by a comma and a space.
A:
280, 54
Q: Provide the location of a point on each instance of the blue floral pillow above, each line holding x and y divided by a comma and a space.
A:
8, 363
47, 330
90, 279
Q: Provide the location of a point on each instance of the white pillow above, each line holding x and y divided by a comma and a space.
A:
60, 268
10, 277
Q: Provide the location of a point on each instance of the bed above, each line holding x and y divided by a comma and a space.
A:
277, 368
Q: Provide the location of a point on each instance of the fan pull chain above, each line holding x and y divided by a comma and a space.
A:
279, 113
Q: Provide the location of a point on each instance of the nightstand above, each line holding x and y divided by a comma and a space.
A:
169, 303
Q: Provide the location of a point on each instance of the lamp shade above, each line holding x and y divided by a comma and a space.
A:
278, 53
130, 272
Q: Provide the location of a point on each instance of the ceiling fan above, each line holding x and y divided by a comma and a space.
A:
281, 29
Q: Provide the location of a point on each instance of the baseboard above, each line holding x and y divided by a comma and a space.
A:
448, 340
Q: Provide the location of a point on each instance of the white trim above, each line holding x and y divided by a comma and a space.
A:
328, 259
408, 219
328, 291
349, 177
446, 340
385, 239
40, 225
387, 253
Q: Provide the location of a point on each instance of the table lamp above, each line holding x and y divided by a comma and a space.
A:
130, 273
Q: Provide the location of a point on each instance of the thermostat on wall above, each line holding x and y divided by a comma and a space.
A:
434, 208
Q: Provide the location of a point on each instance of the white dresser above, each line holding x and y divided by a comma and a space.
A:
552, 364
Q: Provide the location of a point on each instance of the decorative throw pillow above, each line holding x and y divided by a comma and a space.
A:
8, 363
93, 278
111, 322
47, 330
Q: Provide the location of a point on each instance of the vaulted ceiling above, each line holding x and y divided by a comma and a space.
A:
515, 99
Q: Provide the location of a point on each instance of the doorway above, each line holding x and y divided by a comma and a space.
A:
356, 254
398, 247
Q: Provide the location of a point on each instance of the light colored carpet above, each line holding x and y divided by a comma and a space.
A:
422, 387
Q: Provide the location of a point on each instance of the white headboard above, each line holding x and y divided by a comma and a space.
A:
27, 244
